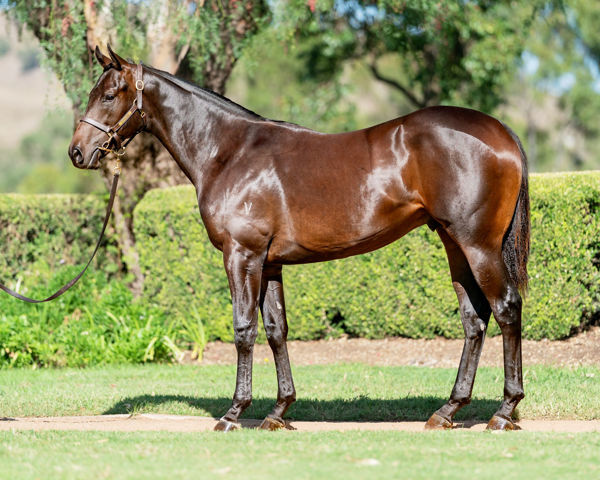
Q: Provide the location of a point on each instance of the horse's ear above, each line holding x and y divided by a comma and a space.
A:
103, 60
116, 60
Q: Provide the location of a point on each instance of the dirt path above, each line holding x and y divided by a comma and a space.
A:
175, 423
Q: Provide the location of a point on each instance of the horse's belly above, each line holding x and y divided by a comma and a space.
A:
330, 239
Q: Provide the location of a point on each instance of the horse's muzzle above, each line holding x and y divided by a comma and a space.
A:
78, 159
76, 156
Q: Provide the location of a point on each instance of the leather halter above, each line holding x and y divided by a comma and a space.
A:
113, 132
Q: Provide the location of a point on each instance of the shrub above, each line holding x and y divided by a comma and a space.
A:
98, 322
45, 241
44, 234
402, 289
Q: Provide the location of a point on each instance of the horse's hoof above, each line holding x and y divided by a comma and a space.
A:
501, 423
227, 426
271, 423
437, 422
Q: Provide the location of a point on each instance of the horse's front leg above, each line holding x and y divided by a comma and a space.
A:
273, 313
244, 272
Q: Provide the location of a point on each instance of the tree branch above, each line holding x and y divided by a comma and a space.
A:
397, 85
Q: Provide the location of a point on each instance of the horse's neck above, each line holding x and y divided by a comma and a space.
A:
196, 128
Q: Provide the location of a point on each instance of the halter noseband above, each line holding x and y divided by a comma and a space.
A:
112, 132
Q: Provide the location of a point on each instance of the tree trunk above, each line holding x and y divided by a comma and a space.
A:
147, 164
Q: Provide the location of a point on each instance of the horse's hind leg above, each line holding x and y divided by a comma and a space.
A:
275, 322
491, 274
475, 314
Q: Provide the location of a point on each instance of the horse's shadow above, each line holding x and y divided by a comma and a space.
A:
361, 409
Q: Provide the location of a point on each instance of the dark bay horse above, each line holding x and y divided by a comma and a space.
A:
273, 193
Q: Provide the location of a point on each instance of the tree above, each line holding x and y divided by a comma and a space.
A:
445, 52
197, 40
560, 128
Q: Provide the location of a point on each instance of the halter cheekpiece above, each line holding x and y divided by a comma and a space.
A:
113, 132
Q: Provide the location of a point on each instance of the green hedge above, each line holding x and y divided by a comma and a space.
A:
45, 241
403, 289
41, 235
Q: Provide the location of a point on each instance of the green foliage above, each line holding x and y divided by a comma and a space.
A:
61, 29
214, 35
46, 239
403, 289
182, 270
450, 52
210, 36
563, 56
271, 80
565, 258
567, 44
43, 234
97, 323
40, 163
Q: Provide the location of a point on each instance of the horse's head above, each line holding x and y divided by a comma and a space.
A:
113, 115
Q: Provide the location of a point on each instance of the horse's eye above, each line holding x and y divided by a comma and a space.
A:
108, 97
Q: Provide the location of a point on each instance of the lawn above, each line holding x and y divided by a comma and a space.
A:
258, 455
333, 392
337, 392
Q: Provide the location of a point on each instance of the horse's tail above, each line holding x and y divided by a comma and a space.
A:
515, 245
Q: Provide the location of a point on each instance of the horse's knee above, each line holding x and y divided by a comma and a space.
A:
245, 336
473, 326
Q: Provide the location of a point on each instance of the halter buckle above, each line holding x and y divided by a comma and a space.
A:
106, 145
139, 84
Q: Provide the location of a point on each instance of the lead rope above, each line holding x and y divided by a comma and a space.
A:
119, 150
111, 200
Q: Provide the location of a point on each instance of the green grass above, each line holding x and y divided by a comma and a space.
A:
334, 392
257, 455
338, 392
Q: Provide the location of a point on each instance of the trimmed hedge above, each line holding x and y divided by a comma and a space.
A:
403, 289
45, 241
41, 235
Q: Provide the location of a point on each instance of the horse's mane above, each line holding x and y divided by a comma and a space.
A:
204, 92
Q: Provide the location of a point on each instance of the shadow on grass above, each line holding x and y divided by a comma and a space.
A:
358, 409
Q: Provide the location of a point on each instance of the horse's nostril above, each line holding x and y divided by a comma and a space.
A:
77, 156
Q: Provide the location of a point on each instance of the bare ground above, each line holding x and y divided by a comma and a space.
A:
177, 423
583, 349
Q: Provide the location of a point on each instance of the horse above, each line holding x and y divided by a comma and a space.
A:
272, 193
